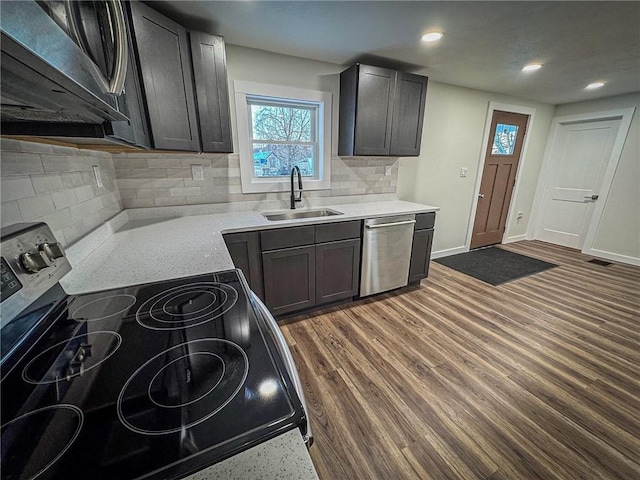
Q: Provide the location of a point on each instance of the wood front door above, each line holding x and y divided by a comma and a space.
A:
498, 177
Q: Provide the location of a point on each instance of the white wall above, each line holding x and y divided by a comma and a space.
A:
453, 138
619, 231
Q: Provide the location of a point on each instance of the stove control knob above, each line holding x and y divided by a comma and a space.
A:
52, 250
34, 261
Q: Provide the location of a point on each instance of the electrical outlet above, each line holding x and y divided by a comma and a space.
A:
97, 176
387, 170
464, 171
197, 173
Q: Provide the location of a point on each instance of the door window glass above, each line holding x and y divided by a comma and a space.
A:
504, 141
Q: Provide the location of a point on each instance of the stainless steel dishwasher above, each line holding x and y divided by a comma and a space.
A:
386, 253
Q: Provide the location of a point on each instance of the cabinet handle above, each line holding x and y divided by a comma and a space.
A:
394, 224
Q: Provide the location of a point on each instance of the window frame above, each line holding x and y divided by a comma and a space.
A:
245, 92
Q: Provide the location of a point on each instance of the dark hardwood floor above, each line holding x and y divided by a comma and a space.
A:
538, 378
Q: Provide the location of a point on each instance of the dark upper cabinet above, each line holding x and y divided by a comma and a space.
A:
381, 112
162, 48
408, 114
212, 93
185, 82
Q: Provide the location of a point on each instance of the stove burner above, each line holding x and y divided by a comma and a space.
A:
56, 426
186, 306
156, 386
104, 306
72, 357
203, 374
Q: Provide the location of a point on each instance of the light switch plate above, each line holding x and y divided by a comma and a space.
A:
197, 173
464, 171
387, 170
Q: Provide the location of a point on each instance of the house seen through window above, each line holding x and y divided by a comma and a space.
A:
283, 134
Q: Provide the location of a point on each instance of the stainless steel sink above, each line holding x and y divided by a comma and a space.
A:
294, 215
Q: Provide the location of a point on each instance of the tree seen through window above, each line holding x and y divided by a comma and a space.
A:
283, 136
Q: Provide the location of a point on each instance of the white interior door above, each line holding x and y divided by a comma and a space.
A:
579, 159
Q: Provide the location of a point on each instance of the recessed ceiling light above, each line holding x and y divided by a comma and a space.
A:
594, 85
532, 67
432, 37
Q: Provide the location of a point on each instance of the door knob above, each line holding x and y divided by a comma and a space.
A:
481, 195
592, 197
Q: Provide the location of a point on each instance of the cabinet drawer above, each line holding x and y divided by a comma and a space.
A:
287, 237
425, 220
330, 232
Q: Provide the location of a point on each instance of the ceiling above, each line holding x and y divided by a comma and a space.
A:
485, 46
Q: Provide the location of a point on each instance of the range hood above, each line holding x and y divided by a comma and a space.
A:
46, 76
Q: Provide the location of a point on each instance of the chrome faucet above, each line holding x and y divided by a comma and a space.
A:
293, 197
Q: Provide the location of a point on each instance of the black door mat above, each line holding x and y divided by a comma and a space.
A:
494, 265
602, 263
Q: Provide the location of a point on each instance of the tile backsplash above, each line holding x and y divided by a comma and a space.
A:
56, 185
153, 179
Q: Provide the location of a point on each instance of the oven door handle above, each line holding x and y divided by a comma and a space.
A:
287, 357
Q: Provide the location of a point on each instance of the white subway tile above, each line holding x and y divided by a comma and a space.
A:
184, 191
161, 162
47, 183
14, 188
64, 199
18, 163
10, 214
34, 207
84, 193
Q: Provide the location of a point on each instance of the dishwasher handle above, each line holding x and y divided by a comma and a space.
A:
287, 357
393, 224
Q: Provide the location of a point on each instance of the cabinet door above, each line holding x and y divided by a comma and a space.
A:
420, 255
289, 279
244, 249
408, 114
337, 270
164, 59
210, 75
374, 110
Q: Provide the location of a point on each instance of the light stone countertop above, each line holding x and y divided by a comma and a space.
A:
291, 462
158, 247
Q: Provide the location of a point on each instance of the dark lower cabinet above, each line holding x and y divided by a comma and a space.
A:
310, 265
420, 255
244, 249
289, 279
337, 270
421, 249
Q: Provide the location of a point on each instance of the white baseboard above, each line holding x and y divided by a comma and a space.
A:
615, 257
448, 252
517, 238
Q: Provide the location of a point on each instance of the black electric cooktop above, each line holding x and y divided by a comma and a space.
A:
153, 381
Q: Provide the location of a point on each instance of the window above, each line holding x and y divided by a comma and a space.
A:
504, 141
278, 128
